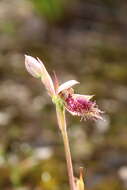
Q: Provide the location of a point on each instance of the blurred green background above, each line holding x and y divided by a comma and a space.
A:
84, 40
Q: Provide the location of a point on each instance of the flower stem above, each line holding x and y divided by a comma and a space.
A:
62, 125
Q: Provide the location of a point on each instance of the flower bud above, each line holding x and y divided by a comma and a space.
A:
37, 69
33, 66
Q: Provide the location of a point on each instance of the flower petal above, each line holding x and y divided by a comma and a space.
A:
67, 85
88, 97
73, 112
46, 79
37, 69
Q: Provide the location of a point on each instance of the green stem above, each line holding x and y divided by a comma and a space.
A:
62, 125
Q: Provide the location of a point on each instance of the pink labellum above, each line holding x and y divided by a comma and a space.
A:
67, 85
81, 106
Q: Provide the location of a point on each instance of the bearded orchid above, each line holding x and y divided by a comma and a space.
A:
76, 104
63, 97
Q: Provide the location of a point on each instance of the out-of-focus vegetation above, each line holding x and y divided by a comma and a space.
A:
83, 40
51, 9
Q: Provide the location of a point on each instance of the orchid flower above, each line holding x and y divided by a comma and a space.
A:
63, 97
76, 104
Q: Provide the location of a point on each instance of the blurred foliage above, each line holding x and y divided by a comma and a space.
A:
52, 9
7, 27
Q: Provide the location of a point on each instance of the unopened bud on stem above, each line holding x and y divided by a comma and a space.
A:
33, 66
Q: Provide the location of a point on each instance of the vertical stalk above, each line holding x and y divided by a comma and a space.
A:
62, 125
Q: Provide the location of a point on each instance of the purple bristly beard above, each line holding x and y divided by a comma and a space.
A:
78, 105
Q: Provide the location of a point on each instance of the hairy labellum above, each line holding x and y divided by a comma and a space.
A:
81, 106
